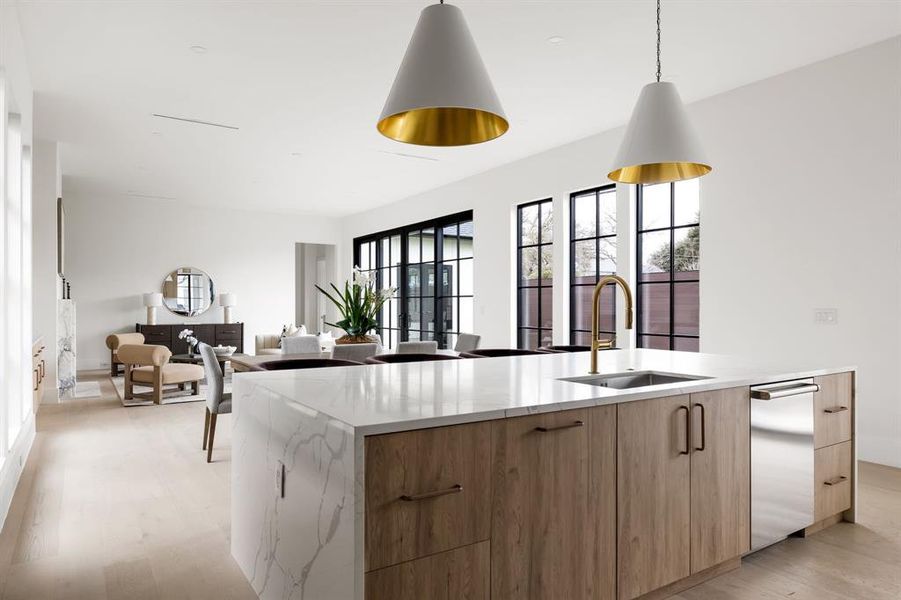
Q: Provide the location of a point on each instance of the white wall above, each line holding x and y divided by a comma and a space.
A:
16, 118
119, 248
801, 212
45, 280
805, 212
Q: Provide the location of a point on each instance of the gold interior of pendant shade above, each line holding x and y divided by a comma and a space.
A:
443, 126
659, 172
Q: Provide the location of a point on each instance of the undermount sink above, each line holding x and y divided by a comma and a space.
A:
633, 379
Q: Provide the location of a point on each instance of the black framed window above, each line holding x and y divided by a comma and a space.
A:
535, 274
669, 241
380, 257
592, 255
431, 265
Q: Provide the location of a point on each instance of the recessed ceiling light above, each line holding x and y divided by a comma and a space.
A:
555, 40
198, 49
297, 154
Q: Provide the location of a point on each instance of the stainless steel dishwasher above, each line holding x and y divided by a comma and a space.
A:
782, 482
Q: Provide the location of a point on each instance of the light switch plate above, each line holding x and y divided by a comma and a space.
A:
825, 316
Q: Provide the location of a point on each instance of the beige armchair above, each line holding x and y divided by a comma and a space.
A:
113, 342
267, 343
148, 365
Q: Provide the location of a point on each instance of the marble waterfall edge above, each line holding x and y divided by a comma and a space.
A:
65, 343
319, 506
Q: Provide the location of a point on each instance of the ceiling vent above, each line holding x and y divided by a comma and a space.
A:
195, 121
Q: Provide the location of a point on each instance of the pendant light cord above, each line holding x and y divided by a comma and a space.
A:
658, 40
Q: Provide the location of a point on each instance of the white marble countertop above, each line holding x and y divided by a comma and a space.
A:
375, 399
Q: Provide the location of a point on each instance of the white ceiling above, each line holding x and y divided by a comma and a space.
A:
310, 78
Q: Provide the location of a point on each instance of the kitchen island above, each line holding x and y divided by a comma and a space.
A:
513, 477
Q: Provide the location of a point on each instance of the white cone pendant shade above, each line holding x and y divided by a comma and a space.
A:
660, 144
442, 95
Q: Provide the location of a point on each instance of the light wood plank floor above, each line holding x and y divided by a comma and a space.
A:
120, 503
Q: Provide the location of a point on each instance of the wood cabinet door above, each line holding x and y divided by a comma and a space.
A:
602, 500
543, 535
653, 494
427, 491
720, 476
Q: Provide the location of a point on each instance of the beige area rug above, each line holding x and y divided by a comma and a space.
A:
186, 396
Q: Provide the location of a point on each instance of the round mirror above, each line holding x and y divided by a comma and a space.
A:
188, 291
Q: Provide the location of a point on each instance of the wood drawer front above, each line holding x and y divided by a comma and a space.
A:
833, 493
157, 334
416, 463
229, 332
832, 410
460, 574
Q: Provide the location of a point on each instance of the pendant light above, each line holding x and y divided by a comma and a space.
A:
442, 95
660, 144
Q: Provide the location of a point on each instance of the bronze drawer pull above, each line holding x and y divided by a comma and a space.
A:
37, 381
836, 409
456, 489
835, 480
703, 429
559, 427
687, 430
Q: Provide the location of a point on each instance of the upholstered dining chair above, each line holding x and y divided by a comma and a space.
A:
408, 357
467, 342
301, 344
218, 401
417, 347
357, 352
148, 365
496, 352
113, 341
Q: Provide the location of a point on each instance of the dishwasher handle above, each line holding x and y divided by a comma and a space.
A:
762, 393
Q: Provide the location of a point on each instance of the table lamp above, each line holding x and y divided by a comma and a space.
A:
151, 301
227, 300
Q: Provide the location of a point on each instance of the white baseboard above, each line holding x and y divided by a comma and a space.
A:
13, 465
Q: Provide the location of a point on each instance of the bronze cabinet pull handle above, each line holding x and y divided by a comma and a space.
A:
36, 381
687, 430
836, 409
835, 480
456, 489
43, 368
703, 428
559, 427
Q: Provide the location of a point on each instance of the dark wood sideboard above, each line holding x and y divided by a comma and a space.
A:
227, 334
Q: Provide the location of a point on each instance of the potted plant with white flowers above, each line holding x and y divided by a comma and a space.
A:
359, 305
188, 336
